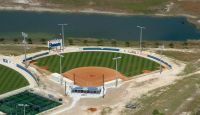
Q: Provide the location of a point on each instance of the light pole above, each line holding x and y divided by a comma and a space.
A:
141, 30
63, 34
116, 67
24, 35
161, 51
24, 105
61, 78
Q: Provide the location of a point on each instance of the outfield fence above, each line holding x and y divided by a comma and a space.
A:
160, 60
27, 71
36, 56
101, 49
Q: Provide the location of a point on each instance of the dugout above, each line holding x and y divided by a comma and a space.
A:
90, 90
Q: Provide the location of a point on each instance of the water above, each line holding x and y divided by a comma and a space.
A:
99, 26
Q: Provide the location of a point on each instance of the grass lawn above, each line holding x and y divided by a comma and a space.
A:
129, 65
36, 104
10, 80
183, 96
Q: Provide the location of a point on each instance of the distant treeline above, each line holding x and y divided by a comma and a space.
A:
108, 42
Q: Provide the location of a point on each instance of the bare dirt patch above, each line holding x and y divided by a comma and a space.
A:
44, 67
190, 6
92, 109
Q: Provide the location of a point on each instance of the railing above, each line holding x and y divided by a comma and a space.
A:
27, 71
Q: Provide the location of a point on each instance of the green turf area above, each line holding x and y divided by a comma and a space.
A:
36, 104
10, 80
121, 5
129, 65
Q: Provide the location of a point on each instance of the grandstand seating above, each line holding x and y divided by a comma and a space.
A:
91, 90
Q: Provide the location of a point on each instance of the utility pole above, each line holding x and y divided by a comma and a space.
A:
161, 51
24, 105
116, 67
141, 32
61, 77
63, 34
24, 35
103, 86
74, 78
65, 87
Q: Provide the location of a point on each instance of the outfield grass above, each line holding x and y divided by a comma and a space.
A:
10, 80
36, 104
129, 65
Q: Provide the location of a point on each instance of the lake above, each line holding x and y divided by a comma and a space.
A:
98, 25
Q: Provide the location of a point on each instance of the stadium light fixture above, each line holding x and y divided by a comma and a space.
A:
63, 34
116, 67
61, 78
141, 32
24, 35
23, 105
161, 47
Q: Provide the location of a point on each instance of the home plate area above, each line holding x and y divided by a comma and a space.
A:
89, 81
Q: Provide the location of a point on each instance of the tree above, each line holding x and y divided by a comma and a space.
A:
127, 44
100, 42
2, 39
43, 40
15, 40
157, 44
143, 44
114, 43
157, 112
71, 42
29, 40
185, 44
85, 42
171, 45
